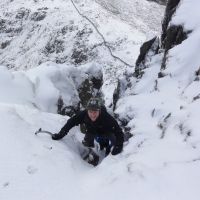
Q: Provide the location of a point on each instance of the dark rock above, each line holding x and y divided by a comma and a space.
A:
22, 13
38, 16
85, 92
196, 97
171, 35
161, 75
2, 25
81, 51
13, 30
54, 45
4, 44
144, 50
83, 33
43, 8
116, 94
66, 110
97, 82
64, 30
69, 110
151, 45
88, 88
174, 36
197, 73
79, 56
169, 11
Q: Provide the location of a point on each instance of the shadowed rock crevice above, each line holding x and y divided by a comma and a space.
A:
175, 35
147, 50
169, 11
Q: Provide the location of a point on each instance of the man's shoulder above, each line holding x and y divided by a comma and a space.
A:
81, 113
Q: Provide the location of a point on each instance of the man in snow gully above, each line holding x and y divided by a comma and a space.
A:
100, 126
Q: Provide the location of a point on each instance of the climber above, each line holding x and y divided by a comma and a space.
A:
99, 126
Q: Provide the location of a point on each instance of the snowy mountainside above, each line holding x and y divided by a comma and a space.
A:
70, 32
37, 31
165, 110
136, 13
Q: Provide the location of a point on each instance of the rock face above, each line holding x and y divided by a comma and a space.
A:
169, 11
38, 37
171, 35
148, 49
91, 86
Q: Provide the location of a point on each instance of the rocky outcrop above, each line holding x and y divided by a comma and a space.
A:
169, 11
89, 88
62, 109
171, 35
174, 36
148, 49
39, 15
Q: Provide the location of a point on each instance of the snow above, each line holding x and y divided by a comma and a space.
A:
160, 162
190, 20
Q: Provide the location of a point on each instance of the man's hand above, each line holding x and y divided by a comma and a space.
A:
57, 136
117, 149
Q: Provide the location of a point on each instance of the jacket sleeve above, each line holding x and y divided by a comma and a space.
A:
73, 121
116, 129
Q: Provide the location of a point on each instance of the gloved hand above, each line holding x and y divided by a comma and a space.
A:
88, 144
57, 136
117, 149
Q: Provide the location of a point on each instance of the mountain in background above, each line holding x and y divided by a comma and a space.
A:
34, 32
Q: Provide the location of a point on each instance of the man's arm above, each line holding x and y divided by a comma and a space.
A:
119, 136
73, 121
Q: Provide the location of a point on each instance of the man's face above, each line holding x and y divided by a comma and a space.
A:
93, 114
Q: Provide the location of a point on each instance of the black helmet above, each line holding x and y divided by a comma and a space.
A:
94, 104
